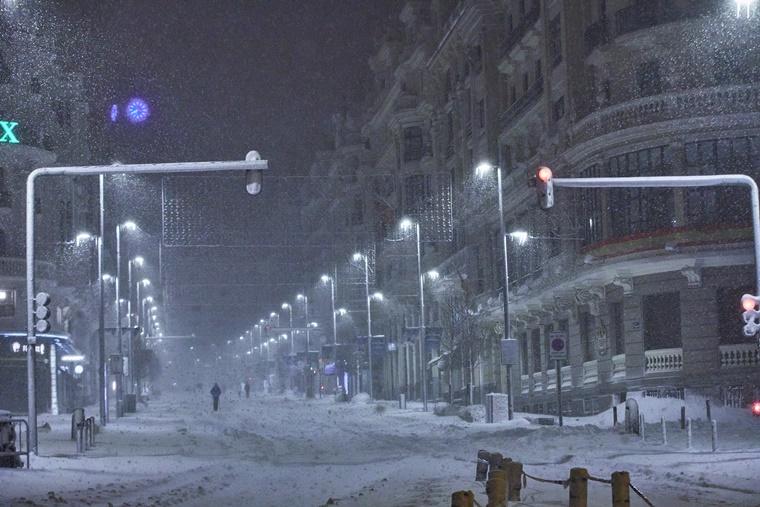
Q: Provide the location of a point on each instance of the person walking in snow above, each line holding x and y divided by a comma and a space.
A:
247, 389
216, 392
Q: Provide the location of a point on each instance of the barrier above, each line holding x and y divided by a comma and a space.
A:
82, 430
11, 423
506, 478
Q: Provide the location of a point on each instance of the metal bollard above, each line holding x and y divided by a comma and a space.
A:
683, 418
642, 428
514, 471
707, 409
462, 499
578, 487
621, 493
714, 424
481, 465
402, 401
664, 431
688, 434
614, 417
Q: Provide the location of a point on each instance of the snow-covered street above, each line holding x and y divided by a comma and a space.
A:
278, 450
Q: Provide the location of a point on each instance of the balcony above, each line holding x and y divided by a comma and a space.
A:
590, 373
15, 267
538, 381
663, 360
706, 102
521, 105
618, 367
740, 355
520, 30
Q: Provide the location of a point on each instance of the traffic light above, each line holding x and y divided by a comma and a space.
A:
42, 312
751, 316
544, 187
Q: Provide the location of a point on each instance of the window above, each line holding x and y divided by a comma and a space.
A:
729, 320
416, 190
525, 82
558, 109
506, 158
617, 334
635, 211
648, 79
512, 94
535, 341
555, 40
662, 320
482, 113
587, 323
412, 143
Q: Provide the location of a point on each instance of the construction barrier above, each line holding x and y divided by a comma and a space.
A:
505, 479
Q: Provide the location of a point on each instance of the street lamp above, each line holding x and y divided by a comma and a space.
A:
129, 226
483, 170
407, 224
360, 257
325, 279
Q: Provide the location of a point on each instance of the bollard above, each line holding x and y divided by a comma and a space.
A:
614, 416
714, 424
664, 432
621, 493
495, 460
683, 418
463, 499
688, 434
642, 428
707, 408
514, 471
481, 465
496, 489
578, 487
402, 401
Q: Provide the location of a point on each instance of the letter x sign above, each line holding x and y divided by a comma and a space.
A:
8, 135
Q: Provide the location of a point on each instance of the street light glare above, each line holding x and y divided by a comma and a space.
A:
129, 225
139, 260
285, 306
520, 236
145, 282
83, 236
325, 278
433, 274
273, 314
406, 223
357, 257
342, 311
299, 297
107, 277
483, 168
377, 296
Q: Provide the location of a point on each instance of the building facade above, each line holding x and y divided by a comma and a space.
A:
645, 282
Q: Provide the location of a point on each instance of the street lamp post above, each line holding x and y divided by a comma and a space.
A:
408, 224
120, 378
482, 170
363, 257
138, 262
305, 300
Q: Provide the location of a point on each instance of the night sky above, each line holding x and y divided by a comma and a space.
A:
228, 76
223, 78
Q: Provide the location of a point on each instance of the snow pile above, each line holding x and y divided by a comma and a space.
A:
362, 398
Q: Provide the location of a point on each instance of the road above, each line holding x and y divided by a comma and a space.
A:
278, 451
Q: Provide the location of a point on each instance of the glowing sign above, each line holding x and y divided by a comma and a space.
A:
8, 135
114, 115
137, 110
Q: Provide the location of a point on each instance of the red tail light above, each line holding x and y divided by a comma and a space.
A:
756, 408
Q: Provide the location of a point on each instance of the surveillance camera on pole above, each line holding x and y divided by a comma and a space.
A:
544, 187
751, 315
254, 178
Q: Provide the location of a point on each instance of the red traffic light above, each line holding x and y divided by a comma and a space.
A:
544, 174
748, 302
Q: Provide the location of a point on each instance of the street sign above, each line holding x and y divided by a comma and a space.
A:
510, 352
558, 345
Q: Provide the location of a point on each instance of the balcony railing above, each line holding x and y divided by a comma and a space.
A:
524, 384
663, 360
618, 367
522, 104
659, 108
590, 372
567, 377
739, 355
551, 379
538, 381
520, 30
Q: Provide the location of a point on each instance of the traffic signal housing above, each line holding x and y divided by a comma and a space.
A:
42, 312
545, 187
751, 315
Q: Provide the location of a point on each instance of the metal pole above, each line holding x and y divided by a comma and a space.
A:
369, 325
120, 376
292, 340
129, 325
679, 182
308, 328
559, 391
102, 379
422, 347
31, 339
507, 329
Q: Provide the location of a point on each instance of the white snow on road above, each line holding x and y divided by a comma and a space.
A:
286, 451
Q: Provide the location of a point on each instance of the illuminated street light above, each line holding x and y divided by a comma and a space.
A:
82, 237
433, 275
377, 296
520, 236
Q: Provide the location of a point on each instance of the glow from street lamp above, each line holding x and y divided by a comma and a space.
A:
107, 277
139, 261
520, 236
406, 223
272, 340
313, 324
483, 169
82, 236
273, 314
284, 336
261, 321
433, 274
129, 225
145, 282
300, 297
325, 278
744, 7
357, 257
377, 296
153, 308
285, 306
149, 299
242, 338
342, 311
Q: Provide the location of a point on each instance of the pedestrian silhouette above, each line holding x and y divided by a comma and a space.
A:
216, 392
